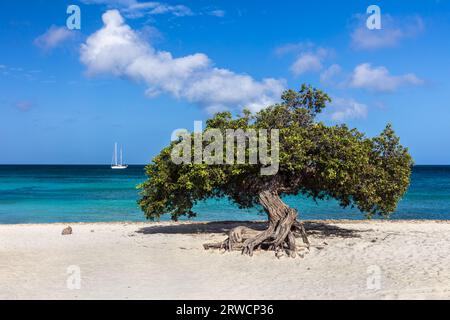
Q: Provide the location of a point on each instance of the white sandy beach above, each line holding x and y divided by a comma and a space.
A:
360, 260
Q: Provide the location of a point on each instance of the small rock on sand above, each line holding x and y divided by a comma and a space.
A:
67, 231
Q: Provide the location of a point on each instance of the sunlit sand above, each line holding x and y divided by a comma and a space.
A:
348, 260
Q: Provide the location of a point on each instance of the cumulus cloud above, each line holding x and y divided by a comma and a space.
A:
53, 38
306, 62
309, 57
118, 50
345, 109
329, 74
393, 31
379, 79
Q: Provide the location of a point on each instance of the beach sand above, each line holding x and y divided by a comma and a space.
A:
349, 260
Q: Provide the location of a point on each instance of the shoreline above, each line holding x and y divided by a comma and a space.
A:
349, 259
137, 223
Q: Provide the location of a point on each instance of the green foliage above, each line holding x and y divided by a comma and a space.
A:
319, 161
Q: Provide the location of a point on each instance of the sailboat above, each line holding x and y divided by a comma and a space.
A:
115, 164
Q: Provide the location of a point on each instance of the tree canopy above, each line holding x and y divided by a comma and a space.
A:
315, 160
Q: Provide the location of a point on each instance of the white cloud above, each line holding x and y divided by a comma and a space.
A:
309, 58
379, 79
110, 2
393, 31
140, 9
345, 109
53, 38
135, 9
117, 49
328, 75
294, 48
217, 13
306, 62
150, 33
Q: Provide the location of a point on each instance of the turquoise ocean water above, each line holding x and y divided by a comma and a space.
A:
45, 194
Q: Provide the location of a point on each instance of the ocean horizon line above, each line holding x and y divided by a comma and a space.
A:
63, 164
138, 164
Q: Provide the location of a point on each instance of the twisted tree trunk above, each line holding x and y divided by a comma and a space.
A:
280, 236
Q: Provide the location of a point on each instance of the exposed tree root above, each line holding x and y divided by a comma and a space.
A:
280, 236
281, 240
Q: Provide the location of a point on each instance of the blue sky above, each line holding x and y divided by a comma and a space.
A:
148, 68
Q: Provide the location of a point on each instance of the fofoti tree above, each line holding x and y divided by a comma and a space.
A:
309, 157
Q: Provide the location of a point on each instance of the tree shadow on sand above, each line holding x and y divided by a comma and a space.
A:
313, 228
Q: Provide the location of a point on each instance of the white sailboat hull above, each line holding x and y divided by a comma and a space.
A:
119, 167
116, 165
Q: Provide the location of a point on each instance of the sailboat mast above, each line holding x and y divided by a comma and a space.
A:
115, 154
116, 164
